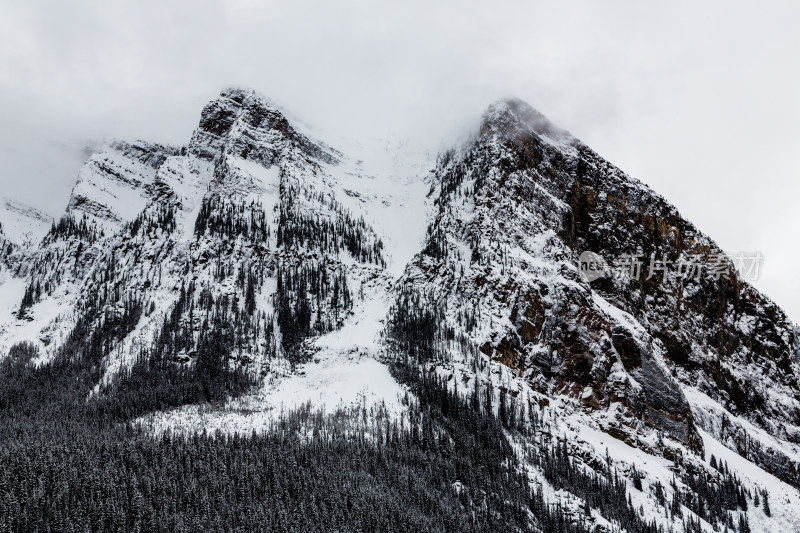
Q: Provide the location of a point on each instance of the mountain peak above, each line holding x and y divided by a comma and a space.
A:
22, 224
246, 123
240, 93
513, 116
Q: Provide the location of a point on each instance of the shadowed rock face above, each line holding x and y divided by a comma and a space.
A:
719, 335
526, 199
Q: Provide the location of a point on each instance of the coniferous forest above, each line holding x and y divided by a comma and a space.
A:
72, 464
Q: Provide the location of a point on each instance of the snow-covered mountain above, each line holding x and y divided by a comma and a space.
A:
261, 269
514, 211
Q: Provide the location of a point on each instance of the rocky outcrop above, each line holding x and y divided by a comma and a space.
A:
247, 125
116, 183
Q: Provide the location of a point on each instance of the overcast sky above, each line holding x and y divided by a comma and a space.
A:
697, 99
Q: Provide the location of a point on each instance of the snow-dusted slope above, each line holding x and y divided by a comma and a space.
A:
254, 221
21, 224
116, 184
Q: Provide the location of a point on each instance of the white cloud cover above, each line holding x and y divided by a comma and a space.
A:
696, 99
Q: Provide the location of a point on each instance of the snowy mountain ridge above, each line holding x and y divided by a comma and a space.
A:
261, 269
20, 224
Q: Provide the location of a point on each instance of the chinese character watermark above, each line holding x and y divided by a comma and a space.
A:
712, 266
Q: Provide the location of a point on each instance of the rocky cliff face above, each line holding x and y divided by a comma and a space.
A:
515, 209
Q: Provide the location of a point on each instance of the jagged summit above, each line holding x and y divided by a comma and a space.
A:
251, 127
514, 117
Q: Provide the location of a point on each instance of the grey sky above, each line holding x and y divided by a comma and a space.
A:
696, 99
